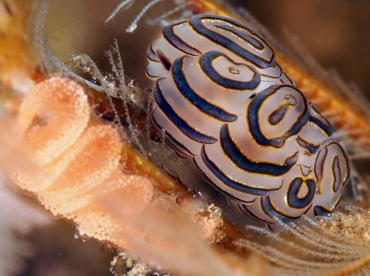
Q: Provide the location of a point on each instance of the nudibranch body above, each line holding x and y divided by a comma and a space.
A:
223, 101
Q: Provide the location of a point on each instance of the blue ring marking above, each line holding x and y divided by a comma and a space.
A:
273, 213
319, 163
177, 42
179, 148
196, 23
163, 59
200, 103
310, 147
183, 126
242, 187
254, 126
218, 188
210, 182
251, 40
151, 55
322, 211
295, 185
279, 114
326, 128
344, 180
336, 174
205, 62
243, 162
347, 177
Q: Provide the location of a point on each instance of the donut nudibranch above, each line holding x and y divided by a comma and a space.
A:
223, 101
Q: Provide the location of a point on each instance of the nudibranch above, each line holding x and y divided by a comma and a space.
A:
223, 101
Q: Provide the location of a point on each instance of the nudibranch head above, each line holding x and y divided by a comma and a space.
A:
223, 101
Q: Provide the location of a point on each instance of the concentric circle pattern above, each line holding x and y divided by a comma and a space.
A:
223, 100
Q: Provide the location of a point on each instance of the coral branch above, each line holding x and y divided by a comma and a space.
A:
111, 192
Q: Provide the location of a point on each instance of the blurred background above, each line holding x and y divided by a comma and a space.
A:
336, 32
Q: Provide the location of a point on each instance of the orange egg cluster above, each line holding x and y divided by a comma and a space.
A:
79, 159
